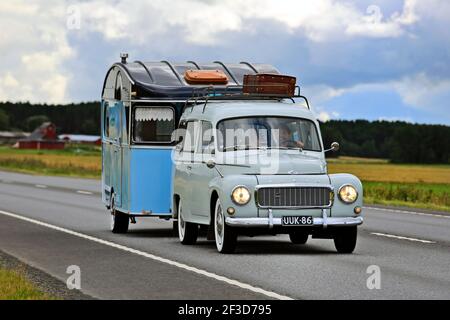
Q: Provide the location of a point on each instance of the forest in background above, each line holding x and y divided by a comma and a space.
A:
400, 142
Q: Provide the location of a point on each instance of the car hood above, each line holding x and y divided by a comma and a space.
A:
275, 163
311, 179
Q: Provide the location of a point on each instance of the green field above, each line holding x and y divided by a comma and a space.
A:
76, 161
15, 286
411, 185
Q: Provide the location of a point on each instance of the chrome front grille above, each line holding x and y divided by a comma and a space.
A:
293, 197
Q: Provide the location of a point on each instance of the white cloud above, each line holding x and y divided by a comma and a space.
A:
201, 22
373, 24
425, 92
419, 91
34, 48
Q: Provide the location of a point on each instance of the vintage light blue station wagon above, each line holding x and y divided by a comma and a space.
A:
214, 156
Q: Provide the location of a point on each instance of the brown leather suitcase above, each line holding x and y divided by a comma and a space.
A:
205, 77
266, 83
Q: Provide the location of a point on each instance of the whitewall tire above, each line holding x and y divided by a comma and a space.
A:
226, 237
187, 231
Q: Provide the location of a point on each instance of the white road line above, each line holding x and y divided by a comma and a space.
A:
205, 273
401, 237
83, 192
410, 212
40, 186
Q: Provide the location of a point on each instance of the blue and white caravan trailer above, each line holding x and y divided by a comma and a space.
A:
142, 103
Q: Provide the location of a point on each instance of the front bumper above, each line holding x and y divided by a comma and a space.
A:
269, 222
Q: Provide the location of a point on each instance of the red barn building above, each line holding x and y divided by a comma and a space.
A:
43, 137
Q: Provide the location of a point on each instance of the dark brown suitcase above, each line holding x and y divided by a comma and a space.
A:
266, 83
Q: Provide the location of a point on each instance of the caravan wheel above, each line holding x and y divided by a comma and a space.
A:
119, 221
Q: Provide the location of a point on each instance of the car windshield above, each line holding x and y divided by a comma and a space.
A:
267, 133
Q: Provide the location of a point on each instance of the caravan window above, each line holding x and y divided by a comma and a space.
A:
118, 87
153, 124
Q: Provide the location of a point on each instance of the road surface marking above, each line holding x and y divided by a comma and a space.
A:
410, 212
205, 273
40, 186
401, 237
83, 192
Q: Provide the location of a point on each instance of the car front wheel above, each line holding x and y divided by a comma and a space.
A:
345, 239
187, 232
226, 237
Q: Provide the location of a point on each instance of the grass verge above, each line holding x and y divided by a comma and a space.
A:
424, 196
74, 161
15, 286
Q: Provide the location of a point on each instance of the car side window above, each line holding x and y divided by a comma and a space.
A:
191, 136
179, 134
206, 145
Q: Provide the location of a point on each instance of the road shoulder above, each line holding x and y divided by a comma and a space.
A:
43, 281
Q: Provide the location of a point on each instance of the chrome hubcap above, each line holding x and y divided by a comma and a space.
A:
219, 226
113, 217
181, 223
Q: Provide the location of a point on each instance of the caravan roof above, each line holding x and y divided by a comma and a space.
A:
164, 79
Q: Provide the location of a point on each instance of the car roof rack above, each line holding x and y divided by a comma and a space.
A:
233, 92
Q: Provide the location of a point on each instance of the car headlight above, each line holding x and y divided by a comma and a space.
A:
240, 195
348, 193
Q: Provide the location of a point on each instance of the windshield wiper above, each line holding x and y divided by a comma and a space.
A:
238, 147
286, 148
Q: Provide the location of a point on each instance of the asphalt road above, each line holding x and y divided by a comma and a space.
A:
51, 223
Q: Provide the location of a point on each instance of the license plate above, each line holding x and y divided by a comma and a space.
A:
297, 221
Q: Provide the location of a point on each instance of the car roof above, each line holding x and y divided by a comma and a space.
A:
215, 111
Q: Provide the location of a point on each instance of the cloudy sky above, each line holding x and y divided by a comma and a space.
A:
385, 59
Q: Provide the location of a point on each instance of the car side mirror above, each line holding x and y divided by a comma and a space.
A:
210, 163
334, 147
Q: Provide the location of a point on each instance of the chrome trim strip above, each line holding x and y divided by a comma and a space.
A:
270, 219
135, 146
294, 185
265, 222
151, 214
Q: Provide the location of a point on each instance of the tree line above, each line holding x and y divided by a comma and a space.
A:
398, 141
401, 142
82, 118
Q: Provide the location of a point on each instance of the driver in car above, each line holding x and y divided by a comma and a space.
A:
286, 139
